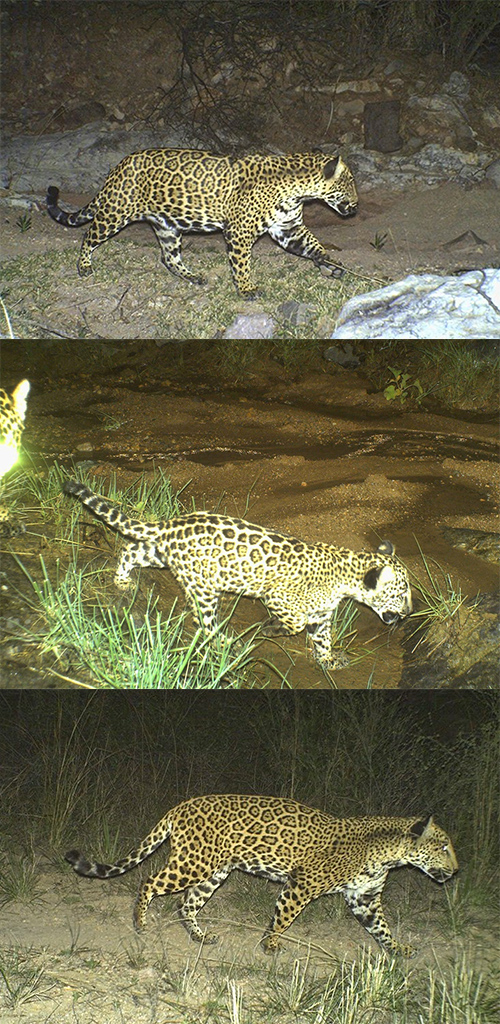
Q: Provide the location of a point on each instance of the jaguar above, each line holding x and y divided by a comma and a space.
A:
181, 190
12, 416
300, 584
309, 852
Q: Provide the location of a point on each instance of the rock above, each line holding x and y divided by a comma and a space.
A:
491, 116
344, 355
252, 325
351, 108
296, 313
394, 65
465, 241
364, 85
84, 113
459, 654
457, 85
74, 161
476, 542
426, 306
443, 108
428, 165
381, 123
492, 173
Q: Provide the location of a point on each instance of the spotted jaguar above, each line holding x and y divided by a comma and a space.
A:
309, 852
300, 584
12, 417
180, 190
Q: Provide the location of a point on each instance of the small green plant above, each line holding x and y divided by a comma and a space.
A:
401, 387
442, 598
24, 222
113, 422
379, 241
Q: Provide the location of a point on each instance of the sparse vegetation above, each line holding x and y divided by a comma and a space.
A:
442, 597
462, 375
20, 983
454, 373
120, 649
100, 769
176, 309
19, 880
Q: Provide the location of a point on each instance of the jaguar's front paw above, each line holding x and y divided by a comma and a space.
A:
333, 270
270, 944
337, 660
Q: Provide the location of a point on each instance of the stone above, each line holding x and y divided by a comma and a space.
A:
250, 326
381, 126
426, 306
297, 313
457, 85
343, 355
349, 108
492, 173
491, 116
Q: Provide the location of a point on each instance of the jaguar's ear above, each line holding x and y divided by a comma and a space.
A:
386, 548
19, 396
421, 827
330, 168
378, 575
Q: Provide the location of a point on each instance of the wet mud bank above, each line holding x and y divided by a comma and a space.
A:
348, 470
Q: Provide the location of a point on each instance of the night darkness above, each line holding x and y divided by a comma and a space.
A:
349, 753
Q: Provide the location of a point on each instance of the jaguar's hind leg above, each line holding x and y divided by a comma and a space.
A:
274, 626
203, 608
195, 889
170, 240
294, 896
103, 227
135, 552
192, 901
282, 621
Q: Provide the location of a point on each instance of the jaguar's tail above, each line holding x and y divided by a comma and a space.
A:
92, 869
131, 528
69, 220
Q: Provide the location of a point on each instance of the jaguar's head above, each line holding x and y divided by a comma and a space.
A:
12, 415
340, 189
386, 587
431, 850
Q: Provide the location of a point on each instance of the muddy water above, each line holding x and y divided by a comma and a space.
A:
345, 471
389, 444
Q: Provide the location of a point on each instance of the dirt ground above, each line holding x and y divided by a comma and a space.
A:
319, 457
95, 968
445, 229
